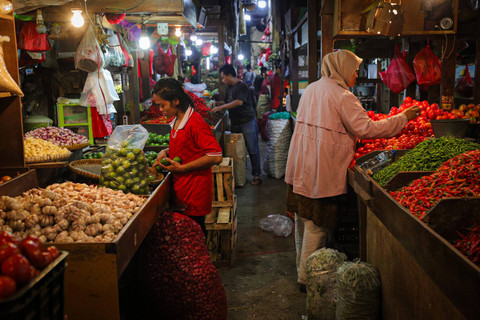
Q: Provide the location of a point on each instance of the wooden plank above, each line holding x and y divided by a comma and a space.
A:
211, 217
25, 181
40, 165
218, 178
476, 88
224, 215
217, 169
228, 185
313, 14
227, 203
408, 292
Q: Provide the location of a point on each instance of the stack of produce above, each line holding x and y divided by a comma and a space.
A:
470, 111
58, 136
68, 212
125, 169
93, 155
458, 177
21, 261
38, 150
158, 139
151, 157
201, 107
427, 156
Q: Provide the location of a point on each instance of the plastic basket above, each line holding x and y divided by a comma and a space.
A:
42, 298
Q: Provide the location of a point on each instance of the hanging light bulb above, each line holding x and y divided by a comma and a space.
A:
199, 42
188, 52
213, 50
41, 29
241, 56
247, 17
178, 32
262, 4
77, 19
193, 37
144, 41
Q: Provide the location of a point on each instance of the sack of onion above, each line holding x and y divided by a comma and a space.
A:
184, 284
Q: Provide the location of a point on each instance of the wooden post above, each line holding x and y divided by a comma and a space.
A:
476, 88
313, 16
327, 28
447, 83
135, 89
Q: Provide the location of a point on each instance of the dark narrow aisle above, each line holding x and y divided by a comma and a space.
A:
262, 282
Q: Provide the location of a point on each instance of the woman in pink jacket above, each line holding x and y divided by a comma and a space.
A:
329, 120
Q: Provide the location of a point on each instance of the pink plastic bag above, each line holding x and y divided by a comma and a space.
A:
465, 85
428, 67
398, 75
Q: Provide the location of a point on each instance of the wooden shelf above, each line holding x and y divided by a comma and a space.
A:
6, 16
42, 165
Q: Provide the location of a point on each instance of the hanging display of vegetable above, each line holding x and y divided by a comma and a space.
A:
7, 84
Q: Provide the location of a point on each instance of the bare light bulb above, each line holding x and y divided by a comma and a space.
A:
247, 17
213, 50
188, 52
193, 37
262, 4
178, 32
77, 19
144, 41
199, 42
241, 56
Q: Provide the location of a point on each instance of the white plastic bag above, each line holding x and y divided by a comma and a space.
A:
99, 91
89, 55
117, 59
281, 225
195, 88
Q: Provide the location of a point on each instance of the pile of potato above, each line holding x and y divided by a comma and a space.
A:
68, 212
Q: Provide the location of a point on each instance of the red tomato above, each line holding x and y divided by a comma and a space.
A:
432, 114
7, 249
8, 237
36, 240
7, 287
47, 257
31, 250
356, 155
434, 106
370, 113
410, 126
17, 267
407, 100
452, 116
54, 252
361, 150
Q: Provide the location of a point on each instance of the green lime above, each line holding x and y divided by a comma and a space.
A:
120, 170
151, 178
100, 154
158, 168
165, 162
135, 189
122, 187
130, 156
126, 164
123, 152
101, 180
116, 163
134, 171
124, 144
112, 185
129, 182
111, 175
120, 180
137, 151
106, 161
178, 159
107, 169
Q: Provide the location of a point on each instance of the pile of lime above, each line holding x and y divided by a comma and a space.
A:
151, 157
125, 169
93, 155
157, 140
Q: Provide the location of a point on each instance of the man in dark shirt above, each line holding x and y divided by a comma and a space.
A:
240, 104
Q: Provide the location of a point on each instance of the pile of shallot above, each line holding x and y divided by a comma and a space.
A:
58, 136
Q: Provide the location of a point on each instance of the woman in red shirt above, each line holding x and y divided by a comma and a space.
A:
192, 140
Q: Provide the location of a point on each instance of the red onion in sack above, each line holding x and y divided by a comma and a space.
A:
184, 283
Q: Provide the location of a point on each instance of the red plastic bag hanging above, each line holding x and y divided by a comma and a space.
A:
398, 75
158, 59
428, 67
465, 86
169, 61
31, 40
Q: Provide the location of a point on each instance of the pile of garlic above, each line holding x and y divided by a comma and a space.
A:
69, 212
40, 148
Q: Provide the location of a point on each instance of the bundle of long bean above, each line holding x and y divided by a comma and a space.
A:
428, 155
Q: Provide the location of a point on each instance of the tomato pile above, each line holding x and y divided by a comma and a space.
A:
21, 261
415, 131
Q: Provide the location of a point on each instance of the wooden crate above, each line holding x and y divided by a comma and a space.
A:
221, 226
223, 187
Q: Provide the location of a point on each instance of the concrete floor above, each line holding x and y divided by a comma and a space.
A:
262, 281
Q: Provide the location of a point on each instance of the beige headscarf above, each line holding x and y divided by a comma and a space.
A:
340, 66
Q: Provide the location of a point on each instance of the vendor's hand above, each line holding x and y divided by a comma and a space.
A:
412, 112
173, 167
216, 109
162, 154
